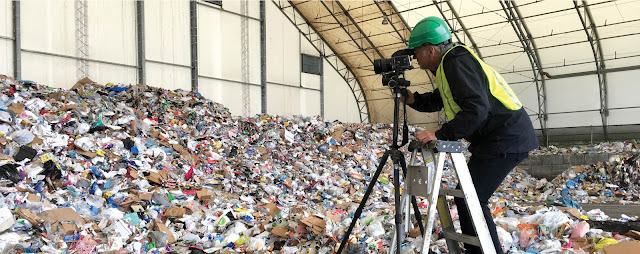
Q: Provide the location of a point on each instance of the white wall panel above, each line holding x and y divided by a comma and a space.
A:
228, 93
307, 48
624, 88
309, 102
339, 103
49, 70
48, 26
220, 48
6, 20
283, 100
210, 41
311, 80
6, 30
103, 73
169, 77
573, 94
624, 116
574, 120
167, 31
112, 31
6, 57
283, 48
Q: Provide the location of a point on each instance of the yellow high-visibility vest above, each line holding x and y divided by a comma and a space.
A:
497, 85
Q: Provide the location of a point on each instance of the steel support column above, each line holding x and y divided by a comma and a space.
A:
322, 88
244, 45
193, 24
596, 48
326, 52
263, 57
520, 28
82, 47
17, 43
142, 70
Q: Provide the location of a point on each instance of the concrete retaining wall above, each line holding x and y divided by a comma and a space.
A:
549, 166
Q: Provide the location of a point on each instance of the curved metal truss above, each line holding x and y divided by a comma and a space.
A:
520, 27
596, 47
325, 50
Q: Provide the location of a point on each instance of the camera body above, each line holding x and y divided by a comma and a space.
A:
393, 64
392, 68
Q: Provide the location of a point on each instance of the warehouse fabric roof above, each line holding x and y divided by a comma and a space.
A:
529, 42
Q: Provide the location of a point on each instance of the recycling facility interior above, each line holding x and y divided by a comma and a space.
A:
236, 126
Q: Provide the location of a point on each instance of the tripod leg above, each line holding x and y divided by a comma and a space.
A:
396, 182
363, 202
416, 209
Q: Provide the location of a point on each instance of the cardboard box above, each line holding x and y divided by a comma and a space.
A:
30, 216
157, 177
33, 198
280, 231
273, 209
571, 210
158, 226
586, 244
315, 223
145, 195
632, 247
16, 108
175, 211
633, 234
63, 219
414, 232
204, 194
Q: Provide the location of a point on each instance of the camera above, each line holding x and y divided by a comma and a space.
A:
392, 69
398, 63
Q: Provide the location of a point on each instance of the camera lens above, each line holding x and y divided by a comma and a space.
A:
382, 65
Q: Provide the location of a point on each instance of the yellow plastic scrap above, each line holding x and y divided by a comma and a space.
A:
100, 153
605, 242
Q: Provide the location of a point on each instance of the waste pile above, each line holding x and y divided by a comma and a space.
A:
615, 180
626, 146
137, 169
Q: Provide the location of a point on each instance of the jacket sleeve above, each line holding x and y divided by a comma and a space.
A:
469, 88
427, 102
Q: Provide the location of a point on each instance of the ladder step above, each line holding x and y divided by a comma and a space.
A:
451, 192
473, 240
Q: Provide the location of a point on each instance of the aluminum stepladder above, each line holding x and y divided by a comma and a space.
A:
426, 181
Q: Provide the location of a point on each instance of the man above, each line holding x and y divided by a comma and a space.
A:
480, 107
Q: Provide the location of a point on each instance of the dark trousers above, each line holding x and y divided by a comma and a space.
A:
487, 172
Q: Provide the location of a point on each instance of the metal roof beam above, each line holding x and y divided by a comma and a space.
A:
532, 16
560, 33
347, 31
378, 17
346, 13
446, 19
515, 19
596, 48
404, 40
464, 28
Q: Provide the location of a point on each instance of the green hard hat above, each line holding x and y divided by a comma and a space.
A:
430, 29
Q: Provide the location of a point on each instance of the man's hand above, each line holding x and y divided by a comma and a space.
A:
408, 98
425, 136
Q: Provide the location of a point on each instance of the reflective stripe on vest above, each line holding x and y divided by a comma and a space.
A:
497, 85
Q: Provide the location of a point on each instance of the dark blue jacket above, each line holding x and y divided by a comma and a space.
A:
483, 120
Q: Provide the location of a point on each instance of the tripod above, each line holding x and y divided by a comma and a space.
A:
397, 85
